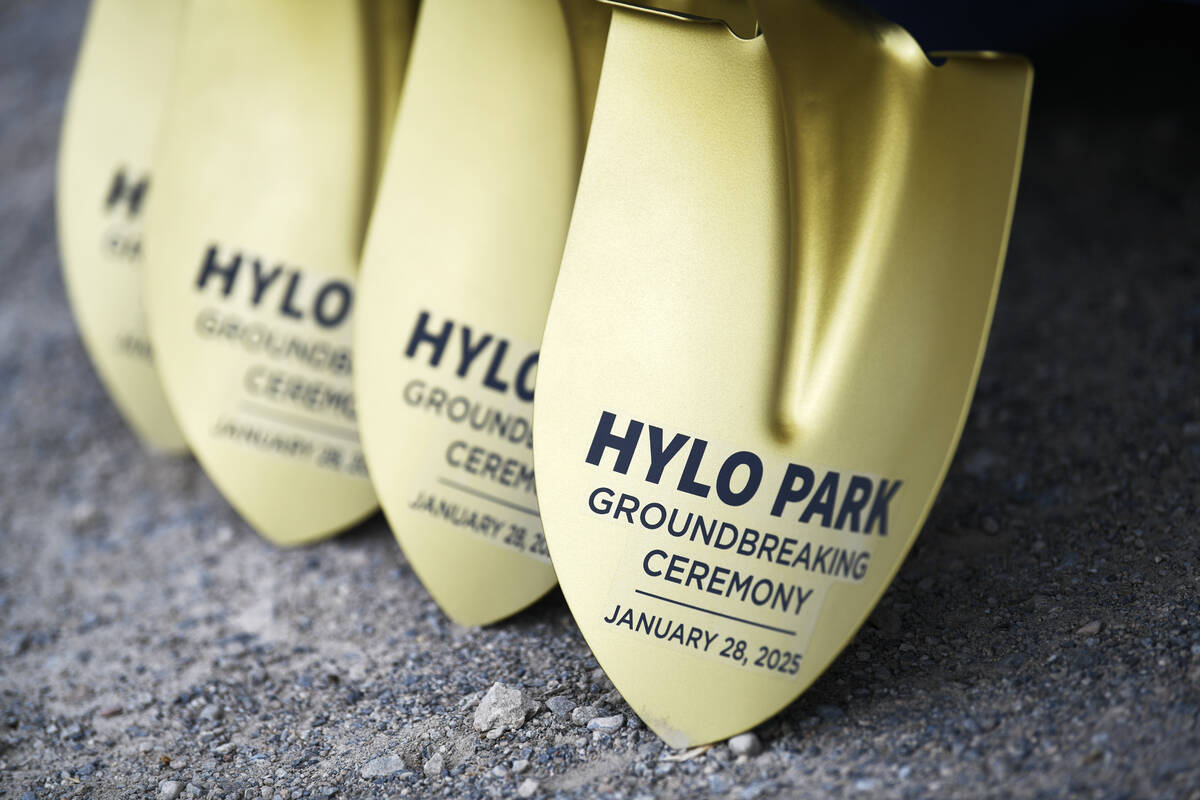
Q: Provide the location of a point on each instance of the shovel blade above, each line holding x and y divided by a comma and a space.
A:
761, 349
265, 170
465, 243
117, 99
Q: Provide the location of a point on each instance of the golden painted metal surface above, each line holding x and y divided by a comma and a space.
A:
767, 328
465, 243
111, 121
264, 177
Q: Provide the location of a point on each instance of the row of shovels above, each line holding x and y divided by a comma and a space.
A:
748, 251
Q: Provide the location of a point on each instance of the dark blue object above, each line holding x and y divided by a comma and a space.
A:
1008, 25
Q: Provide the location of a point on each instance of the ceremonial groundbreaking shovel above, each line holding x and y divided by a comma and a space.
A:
766, 331
465, 242
264, 177
112, 118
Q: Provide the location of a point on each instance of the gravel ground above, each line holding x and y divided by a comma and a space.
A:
1041, 640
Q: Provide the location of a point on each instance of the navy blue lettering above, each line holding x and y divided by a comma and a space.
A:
437, 341
624, 445
210, 267
824, 500
879, 508
688, 482
789, 492
857, 495
725, 476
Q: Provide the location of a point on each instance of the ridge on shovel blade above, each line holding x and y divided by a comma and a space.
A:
264, 174
111, 122
459, 267
766, 332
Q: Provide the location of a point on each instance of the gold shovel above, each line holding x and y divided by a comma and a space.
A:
465, 244
265, 173
104, 186
766, 331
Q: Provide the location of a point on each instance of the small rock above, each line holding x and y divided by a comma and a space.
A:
528, 788
745, 744
756, 790
382, 766
435, 766
887, 620
169, 790
1091, 629
867, 785
85, 516
111, 711
193, 790
520, 765
503, 707
584, 714
830, 713
560, 705
212, 712
980, 462
606, 724
601, 680
267, 792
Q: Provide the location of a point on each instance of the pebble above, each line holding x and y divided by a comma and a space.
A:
745, 744
1091, 629
212, 712
827, 712
169, 790
503, 707
435, 766
978, 463
584, 714
560, 705
528, 788
520, 765
382, 766
85, 516
607, 724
